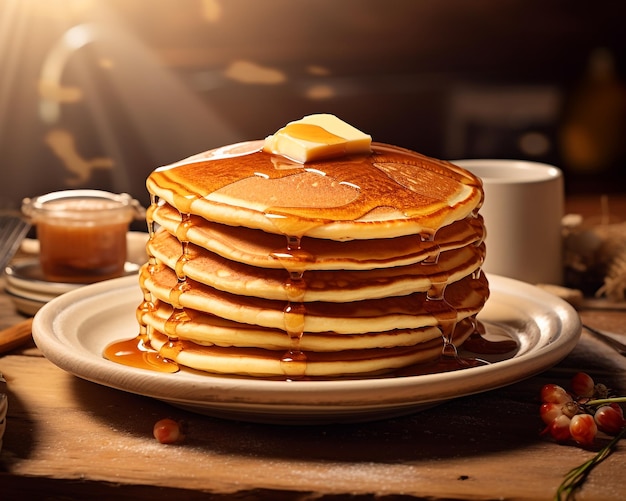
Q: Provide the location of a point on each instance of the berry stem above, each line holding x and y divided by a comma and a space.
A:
576, 476
602, 401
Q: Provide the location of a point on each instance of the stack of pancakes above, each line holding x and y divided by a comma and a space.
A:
355, 265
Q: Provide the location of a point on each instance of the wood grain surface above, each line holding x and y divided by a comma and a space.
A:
73, 438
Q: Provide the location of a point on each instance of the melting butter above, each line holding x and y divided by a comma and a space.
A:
316, 137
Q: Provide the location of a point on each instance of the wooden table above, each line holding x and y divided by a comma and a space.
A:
70, 439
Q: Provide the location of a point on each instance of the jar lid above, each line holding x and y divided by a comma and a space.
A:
83, 206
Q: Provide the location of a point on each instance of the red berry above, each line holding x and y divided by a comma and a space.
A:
553, 393
549, 411
167, 431
610, 419
583, 385
618, 408
583, 429
559, 428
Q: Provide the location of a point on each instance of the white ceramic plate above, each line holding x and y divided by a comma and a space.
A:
73, 329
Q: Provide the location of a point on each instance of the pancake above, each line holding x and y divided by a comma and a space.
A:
314, 253
210, 330
258, 362
391, 192
257, 248
463, 298
317, 285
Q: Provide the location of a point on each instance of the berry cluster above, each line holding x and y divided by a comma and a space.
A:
580, 413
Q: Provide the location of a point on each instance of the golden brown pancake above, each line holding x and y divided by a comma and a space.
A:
257, 248
392, 192
206, 329
259, 362
317, 285
465, 297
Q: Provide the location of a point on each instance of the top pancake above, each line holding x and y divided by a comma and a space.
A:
389, 193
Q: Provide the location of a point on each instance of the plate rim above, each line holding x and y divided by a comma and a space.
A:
240, 395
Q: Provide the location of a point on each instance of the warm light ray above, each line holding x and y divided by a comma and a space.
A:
52, 70
170, 117
12, 37
88, 89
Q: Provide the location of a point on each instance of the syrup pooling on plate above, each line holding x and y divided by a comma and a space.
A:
400, 193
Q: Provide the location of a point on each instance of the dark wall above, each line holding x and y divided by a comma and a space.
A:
97, 94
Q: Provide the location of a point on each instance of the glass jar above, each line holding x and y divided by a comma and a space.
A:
82, 233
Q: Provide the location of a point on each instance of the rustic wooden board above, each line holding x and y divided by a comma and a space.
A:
74, 437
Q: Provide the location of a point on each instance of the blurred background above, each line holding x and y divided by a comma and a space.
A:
98, 93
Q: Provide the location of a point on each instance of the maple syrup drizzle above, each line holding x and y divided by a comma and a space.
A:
137, 352
445, 314
294, 361
179, 315
436, 304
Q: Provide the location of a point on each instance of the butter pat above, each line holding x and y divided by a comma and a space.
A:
316, 137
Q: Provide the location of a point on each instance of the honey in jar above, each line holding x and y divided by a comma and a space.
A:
82, 233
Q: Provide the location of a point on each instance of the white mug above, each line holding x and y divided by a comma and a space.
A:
523, 209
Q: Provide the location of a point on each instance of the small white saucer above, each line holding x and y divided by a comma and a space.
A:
26, 275
29, 289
